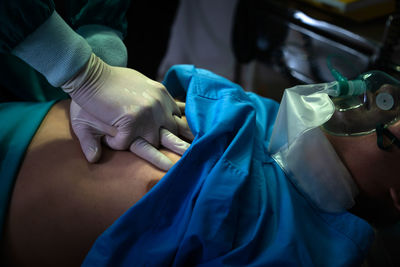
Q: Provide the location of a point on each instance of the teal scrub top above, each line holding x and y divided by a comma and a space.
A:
19, 18
226, 202
19, 122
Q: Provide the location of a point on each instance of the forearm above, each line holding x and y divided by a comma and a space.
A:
20, 18
54, 50
34, 32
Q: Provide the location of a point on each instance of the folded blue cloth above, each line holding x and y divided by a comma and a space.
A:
226, 202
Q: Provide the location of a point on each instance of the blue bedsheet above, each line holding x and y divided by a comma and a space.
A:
226, 202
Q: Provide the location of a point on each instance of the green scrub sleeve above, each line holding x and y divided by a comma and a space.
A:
110, 13
55, 50
20, 121
19, 18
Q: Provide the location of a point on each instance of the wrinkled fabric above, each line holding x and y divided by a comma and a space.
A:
226, 202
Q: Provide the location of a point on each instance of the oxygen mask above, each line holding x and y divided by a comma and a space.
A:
362, 104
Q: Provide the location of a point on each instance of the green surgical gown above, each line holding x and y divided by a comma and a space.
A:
19, 18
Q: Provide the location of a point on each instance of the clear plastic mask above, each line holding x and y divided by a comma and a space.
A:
360, 111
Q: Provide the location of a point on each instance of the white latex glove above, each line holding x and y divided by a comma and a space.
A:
135, 106
90, 130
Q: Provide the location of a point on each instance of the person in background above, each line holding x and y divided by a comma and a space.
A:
201, 36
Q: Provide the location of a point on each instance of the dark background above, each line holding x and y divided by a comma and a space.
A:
149, 26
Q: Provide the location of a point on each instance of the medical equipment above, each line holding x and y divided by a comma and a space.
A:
374, 100
297, 138
342, 107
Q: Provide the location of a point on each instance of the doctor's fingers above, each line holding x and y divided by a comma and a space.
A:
149, 153
176, 110
164, 110
80, 118
181, 106
181, 122
183, 128
172, 142
89, 131
90, 144
162, 97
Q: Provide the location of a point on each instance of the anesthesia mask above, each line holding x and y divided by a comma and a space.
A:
362, 105
342, 107
368, 103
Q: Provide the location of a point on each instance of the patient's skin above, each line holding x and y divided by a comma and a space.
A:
375, 171
61, 203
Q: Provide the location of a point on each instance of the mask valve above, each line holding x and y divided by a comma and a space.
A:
384, 101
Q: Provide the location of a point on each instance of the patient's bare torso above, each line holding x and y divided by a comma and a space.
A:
61, 203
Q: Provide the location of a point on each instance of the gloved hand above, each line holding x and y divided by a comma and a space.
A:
123, 98
106, 43
90, 130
